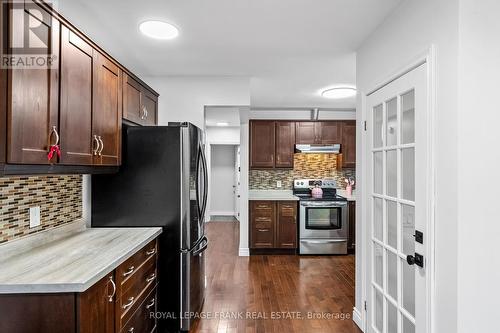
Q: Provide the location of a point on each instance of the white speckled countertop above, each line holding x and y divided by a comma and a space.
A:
277, 195
343, 193
70, 262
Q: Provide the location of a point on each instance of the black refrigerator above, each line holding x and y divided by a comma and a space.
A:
162, 182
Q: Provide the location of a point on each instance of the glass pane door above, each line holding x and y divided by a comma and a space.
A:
392, 285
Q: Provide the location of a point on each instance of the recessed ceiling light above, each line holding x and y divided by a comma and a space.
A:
158, 29
339, 92
222, 124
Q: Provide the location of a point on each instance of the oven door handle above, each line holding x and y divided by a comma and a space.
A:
324, 205
323, 241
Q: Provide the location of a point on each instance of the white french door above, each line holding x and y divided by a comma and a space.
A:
398, 157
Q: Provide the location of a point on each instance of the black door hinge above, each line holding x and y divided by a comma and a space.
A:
365, 125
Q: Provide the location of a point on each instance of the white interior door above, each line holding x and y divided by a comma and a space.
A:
397, 138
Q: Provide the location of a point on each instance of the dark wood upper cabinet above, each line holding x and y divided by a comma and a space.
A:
285, 140
30, 114
329, 132
348, 147
95, 309
262, 144
131, 99
107, 113
150, 108
306, 132
139, 104
78, 103
318, 132
286, 236
75, 113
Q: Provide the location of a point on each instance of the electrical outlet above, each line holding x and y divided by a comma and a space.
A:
278, 183
34, 216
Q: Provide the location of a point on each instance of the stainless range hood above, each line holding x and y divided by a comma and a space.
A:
318, 149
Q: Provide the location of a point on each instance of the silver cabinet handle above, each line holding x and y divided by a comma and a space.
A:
150, 252
145, 113
263, 230
130, 271
102, 145
96, 140
151, 278
129, 304
54, 131
110, 297
151, 304
131, 330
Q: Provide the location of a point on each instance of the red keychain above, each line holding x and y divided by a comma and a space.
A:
54, 149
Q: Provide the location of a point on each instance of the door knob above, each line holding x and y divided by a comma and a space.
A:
417, 259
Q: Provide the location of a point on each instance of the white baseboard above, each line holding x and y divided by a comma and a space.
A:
222, 213
356, 318
244, 252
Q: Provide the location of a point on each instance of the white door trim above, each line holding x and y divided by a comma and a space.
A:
428, 57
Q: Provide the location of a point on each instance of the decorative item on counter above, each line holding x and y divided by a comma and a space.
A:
349, 184
317, 192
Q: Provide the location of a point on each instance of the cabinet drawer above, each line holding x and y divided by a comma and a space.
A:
126, 270
134, 288
263, 237
262, 206
141, 321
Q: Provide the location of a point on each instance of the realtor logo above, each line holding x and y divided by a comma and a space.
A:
27, 44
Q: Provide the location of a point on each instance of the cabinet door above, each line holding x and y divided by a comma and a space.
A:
285, 141
262, 140
305, 132
348, 146
131, 99
76, 99
262, 224
107, 113
150, 108
96, 307
287, 224
33, 101
329, 132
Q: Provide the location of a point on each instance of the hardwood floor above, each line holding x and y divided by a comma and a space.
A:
246, 294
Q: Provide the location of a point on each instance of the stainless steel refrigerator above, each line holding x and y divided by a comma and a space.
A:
163, 183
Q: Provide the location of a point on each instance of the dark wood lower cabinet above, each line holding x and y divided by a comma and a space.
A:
351, 242
120, 302
273, 225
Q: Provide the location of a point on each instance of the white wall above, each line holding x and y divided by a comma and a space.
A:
411, 29
184, 98
478, 136
223, 175
223, 135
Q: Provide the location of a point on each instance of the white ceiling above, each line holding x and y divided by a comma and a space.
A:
290, 49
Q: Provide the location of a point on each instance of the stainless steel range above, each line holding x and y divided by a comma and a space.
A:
323, 223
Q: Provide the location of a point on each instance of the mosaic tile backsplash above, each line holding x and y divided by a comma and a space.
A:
59, 198
305, 166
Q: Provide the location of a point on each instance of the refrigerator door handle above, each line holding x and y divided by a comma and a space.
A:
205, 184
202, 248
200, 209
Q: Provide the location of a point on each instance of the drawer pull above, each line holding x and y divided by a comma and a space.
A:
151, 278
150, 252
151, 304
129, 304
263, 230
262, 206
131, 330
130, 271
110, 297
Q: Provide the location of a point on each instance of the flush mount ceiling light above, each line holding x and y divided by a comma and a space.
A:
339, 92
222, 124
158, 29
